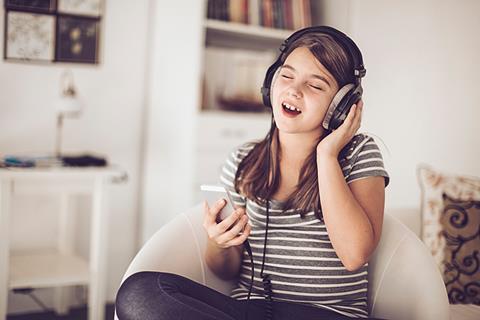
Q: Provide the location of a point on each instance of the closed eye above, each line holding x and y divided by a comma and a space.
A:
287, 77
316, 87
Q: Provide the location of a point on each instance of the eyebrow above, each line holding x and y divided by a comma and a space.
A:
313, 74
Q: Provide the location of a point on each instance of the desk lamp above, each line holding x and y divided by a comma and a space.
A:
68, 105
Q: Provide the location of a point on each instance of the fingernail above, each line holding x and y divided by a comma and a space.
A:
221, 201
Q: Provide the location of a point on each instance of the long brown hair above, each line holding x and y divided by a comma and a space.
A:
258, 174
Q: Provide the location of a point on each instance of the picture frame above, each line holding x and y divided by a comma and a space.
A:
77, 39
39, 6
29, 36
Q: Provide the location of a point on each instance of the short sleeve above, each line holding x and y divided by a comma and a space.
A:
229, 170
364, 160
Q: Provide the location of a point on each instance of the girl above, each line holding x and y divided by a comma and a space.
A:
309, 199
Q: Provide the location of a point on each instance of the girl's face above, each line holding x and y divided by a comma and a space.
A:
305, 85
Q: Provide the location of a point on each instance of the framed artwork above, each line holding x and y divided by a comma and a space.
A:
29, 36
31, 5
77, 39
52, 30
81, 7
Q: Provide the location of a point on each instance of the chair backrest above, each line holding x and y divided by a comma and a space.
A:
404, 282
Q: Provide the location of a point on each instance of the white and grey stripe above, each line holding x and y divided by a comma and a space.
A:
300, 259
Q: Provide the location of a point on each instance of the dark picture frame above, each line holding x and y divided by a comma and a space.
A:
77, 39
39, 6
76, 30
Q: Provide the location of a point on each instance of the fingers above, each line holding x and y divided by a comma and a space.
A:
354, 117
358, 115
241, 238
229, 232
234, 230
231, 219
360, 104
210, 214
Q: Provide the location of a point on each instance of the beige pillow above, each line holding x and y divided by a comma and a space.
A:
433, 185
461, 229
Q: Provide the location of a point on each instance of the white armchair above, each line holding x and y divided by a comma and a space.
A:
404, 282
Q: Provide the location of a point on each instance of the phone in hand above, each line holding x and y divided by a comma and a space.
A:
212, 193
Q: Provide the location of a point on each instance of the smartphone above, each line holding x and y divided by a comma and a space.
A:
212, 193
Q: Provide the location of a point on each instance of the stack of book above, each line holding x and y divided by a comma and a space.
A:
279, 14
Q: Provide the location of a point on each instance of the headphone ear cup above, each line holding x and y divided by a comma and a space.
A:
270, 91
334, 105
268, 82
343, 108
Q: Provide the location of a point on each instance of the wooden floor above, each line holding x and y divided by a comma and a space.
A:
75, 314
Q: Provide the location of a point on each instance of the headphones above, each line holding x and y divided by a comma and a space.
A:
346, 97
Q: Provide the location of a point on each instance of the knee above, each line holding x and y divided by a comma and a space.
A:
132, 294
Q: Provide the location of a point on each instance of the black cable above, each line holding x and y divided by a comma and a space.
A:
267, 284
249, 251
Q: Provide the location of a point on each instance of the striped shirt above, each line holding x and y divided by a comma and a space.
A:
300, 258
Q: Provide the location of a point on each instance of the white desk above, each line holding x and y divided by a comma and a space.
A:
61, 267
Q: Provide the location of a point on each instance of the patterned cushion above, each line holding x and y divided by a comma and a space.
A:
433, 185
461, 229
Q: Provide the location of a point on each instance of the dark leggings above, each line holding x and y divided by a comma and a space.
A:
158, 295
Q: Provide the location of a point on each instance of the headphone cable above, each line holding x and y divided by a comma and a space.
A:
267, 284
247, 246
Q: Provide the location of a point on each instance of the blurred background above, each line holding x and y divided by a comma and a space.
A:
174, 86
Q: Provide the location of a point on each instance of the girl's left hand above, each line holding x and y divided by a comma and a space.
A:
332, 144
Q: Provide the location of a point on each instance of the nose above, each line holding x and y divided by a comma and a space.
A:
294, 92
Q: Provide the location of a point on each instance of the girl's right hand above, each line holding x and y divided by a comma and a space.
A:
226, 233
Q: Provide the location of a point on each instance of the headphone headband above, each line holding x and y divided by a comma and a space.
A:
344, 40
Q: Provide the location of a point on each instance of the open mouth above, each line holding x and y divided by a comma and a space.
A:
290, 110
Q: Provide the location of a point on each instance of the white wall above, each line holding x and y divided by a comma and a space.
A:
173, 99
114, 92
421, 89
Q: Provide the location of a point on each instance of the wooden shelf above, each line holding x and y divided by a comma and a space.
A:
47, 269
247, 29
239, 35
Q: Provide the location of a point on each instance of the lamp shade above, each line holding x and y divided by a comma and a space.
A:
69, 105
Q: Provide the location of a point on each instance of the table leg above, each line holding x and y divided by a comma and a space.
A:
63, 295
6, 191
99, 226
